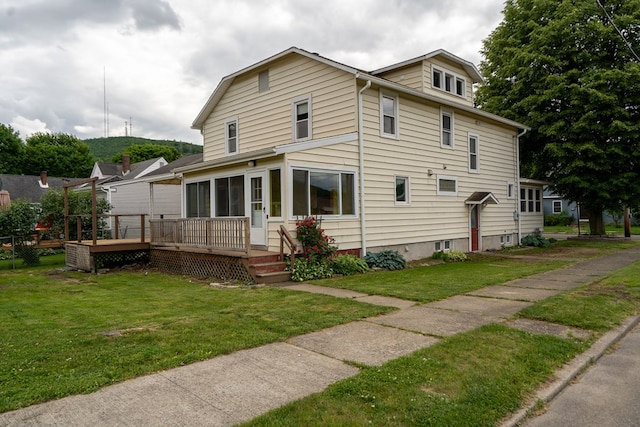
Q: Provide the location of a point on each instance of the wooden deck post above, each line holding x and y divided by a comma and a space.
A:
66, 214
247, 235
142, 228
116, 224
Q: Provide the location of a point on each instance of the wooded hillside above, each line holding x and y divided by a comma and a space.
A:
103, 149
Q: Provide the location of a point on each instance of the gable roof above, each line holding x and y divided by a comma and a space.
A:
470, 69
28, 187
227, 81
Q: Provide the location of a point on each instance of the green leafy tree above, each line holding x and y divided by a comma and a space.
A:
59, 154
563, 68
52, 212
19, 220
140, 153
11, 150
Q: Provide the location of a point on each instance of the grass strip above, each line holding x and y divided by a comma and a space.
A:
598, 306
436, 282
475, 378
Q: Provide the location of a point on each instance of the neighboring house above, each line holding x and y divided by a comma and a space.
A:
126, 187
29, 187
555, 204
394, 158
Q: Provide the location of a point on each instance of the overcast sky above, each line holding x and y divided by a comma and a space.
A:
163, 58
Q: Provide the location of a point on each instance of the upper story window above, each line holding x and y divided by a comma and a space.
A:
530, 200
474, 156
447, 186
446, 126
301, 110
388, 115
402, 190
263, 81
231, 136
448, 82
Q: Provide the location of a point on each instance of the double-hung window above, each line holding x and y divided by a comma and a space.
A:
530, 200
317, 192
474, 157
301, 110
198, 199
388, 115
557, 206
446, 128
231, 136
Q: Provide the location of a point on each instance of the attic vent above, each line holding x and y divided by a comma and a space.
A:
263, 81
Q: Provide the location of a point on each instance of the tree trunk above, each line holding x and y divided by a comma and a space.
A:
627, 222
596, 223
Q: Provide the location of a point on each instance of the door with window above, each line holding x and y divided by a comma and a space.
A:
258, 207
473, 222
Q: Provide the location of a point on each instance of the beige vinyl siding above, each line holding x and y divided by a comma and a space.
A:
409, 76
429, 216
265, 119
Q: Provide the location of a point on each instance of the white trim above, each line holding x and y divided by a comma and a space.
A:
396, 112
443, 112
447, 178
315, 143
472, 135
227, 122
407, 190
294, 103
553, 206
512, 185
444, 75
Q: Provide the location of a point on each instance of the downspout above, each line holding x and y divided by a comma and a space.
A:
363, 222
518, 183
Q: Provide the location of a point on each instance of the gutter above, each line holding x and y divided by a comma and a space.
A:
363, 222
518, 183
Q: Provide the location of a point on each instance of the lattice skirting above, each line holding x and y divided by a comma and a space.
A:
117, 259
200, 265
78, 256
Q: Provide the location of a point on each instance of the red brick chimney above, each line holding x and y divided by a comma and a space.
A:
43, 179
126, 164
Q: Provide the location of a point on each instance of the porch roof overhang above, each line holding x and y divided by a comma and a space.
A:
229, 160
482, 198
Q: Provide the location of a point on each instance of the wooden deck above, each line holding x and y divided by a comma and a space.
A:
259, 266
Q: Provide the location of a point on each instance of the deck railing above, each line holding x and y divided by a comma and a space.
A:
225, 234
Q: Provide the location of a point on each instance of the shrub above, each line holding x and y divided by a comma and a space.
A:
562, 218
316, 246
388, 259
348, 265
304, 269
535, 240
450, 256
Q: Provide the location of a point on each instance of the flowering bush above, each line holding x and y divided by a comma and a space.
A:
316, 246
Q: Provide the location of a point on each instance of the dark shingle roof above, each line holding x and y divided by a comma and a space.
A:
27, 187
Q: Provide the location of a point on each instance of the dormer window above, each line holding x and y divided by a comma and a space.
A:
448, 82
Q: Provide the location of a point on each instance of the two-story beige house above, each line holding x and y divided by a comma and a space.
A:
395, 158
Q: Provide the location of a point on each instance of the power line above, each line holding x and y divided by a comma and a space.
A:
618, 30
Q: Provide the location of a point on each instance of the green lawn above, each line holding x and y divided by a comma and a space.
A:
584, 229
66, 333
435, 282
69, 333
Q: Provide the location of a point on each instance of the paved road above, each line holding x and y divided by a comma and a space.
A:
606, 395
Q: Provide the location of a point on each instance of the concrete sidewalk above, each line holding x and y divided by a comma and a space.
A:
240, 386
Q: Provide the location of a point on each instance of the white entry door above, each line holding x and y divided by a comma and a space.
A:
258, 207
